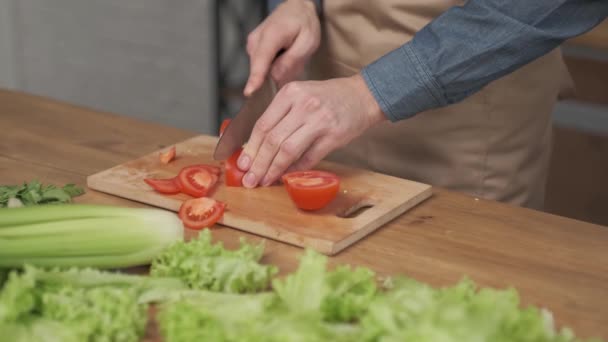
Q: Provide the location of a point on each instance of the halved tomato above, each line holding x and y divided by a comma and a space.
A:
165, 186
311, 190
168, 156
234, 176
196, 181
201, 213
223, 126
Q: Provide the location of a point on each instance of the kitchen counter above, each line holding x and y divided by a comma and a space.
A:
555, 262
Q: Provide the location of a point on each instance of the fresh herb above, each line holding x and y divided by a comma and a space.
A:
34, 193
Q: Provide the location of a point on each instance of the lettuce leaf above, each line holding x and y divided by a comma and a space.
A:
207, 266
349, 293
212, 316
341, 295
77, 304
38, 329
413, 311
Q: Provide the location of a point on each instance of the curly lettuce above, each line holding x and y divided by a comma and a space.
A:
341, 295
413, 311
212, 316
77, 305
203, 265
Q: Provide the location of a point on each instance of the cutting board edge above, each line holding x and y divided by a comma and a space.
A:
259, 229
350, 240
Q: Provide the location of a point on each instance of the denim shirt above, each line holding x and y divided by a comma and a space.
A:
469, 46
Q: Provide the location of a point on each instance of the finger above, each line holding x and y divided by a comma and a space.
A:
278, 108
270, 147
292, 62
313, 155
252, 40
291, 150
262, 57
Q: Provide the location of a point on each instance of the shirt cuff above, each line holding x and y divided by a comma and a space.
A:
402, 84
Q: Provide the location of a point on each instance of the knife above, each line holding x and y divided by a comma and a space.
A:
239, 129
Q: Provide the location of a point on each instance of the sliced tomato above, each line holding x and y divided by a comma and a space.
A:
311, 190
201, 213
233, 175
165, 186
223, 126
216, 170
168, 156
196, 181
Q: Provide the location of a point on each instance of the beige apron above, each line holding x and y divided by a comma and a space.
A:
495, 144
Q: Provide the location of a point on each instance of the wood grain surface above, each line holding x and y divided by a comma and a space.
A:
268, 211
557, 263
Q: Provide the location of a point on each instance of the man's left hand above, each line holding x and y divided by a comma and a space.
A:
304, 123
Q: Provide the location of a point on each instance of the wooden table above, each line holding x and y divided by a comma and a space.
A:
554, 262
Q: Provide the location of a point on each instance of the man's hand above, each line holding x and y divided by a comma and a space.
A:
304, 123
293, 26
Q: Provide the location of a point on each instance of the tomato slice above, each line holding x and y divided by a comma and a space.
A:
216, 170
201, 213
311, 190
165, 186
196, 181
225, 124
168, 156
234, 176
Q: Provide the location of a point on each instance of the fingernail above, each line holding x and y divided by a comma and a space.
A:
249, 180
243, 162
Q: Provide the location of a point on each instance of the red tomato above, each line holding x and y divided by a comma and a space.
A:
201, 213
196, 181
168, 156
216, 170
311, 190
234, 176
165, 186
225, 124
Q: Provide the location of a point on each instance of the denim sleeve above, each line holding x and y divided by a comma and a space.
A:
469, 46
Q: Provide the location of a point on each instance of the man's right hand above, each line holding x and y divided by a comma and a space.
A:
293, 26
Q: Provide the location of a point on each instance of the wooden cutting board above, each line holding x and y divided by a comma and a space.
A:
366, 200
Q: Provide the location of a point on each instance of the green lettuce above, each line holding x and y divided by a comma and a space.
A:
79, 305
413, 311
206, 266
38, 330
342, 295
213, 316
3, 277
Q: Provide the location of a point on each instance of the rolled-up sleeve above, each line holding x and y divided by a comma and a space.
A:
469, 46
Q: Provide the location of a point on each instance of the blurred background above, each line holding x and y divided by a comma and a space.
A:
183, 63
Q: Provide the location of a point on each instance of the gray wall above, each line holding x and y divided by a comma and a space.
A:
152, 59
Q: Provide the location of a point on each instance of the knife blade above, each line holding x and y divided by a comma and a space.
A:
239, 129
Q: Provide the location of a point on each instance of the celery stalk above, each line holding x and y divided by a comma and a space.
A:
85, 236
